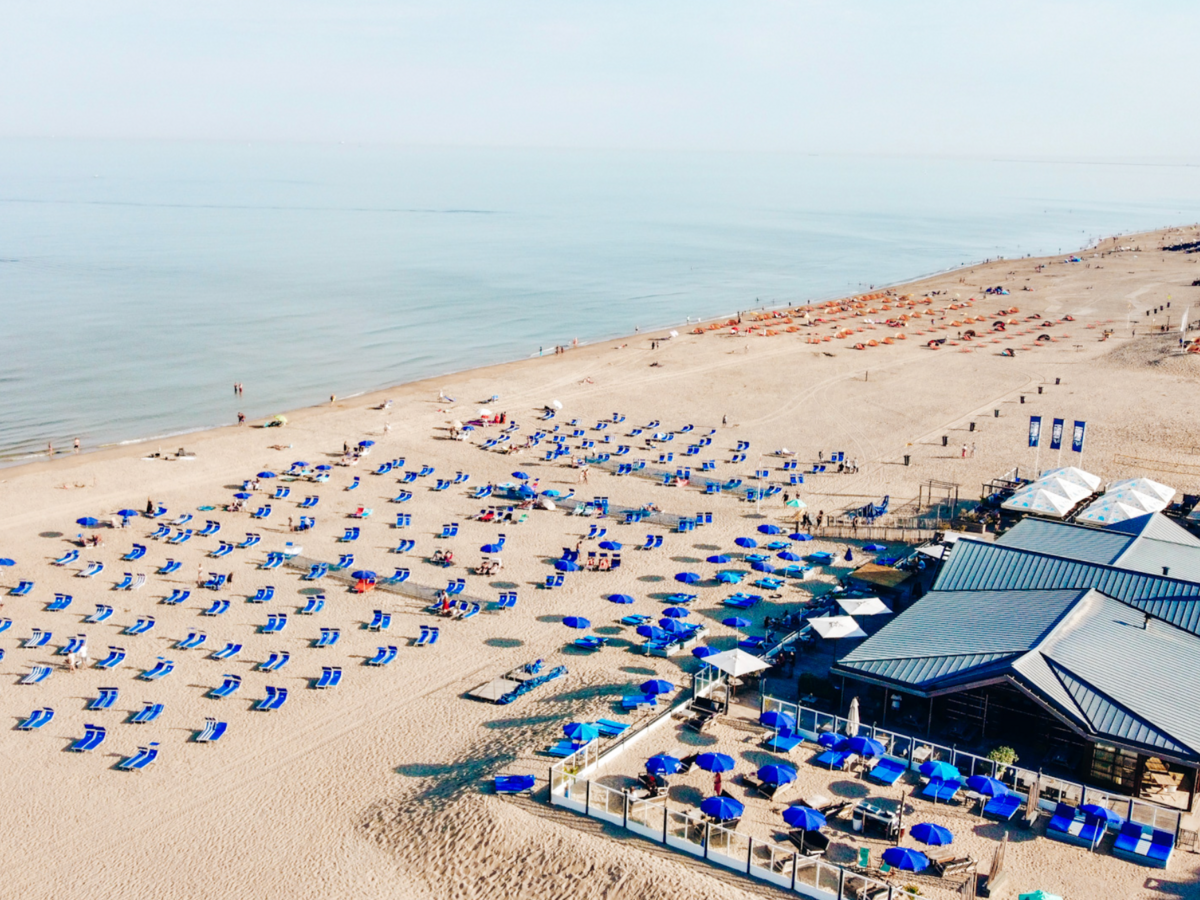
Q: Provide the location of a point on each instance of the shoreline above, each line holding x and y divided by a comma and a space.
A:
114, 449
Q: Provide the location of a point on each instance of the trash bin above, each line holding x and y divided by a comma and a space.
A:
995, 413
945, 440
1022, 398
1039, 388
972, 428
906, 458
1058, 381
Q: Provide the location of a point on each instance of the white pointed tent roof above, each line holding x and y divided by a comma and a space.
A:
1119, 506
1076, 475
836, 627
1061, 486
1039, 501
1144, 486
736, 662
863, 606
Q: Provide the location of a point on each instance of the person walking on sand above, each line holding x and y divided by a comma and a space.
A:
199, 575
972, 450
964, 451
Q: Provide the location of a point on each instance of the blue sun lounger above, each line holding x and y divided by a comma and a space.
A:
125, 583
281, 492
329, 637
140, 760
36, 719
429, 635
38, 639
514, 784
211, 732
591, 642
21, 589
400, 576
181, 519
1144, 846
216, 581
380, 621
312, 606
355, 483
148, 713
5, 624
250, 541
229, 651
178, 596
783, 741
345, 561
402, 497
73, 645
138, 551
564, 748
91, 570
941, 790
887, 771
832, 759
60, 602
192, 641
508, 599
276, 622
263, 595
141, 626
169, 567
262, 512
274, 561
456, 586
405, 546
1004, 807
161, 531
36, 675
331, 676
383, 656
449, 531
228, 687
162, 668
309, 502
224, 549
107, 697
180, 537
116, 656
93, 737
318, 570
276, 661
275, 698
403, 520
351, 534
637, 701
69, 557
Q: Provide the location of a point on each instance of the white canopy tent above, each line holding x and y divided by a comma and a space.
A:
1061, 486
1075, 475
1036, 500
833, 627
736, 662
1119, 507
1146, 486
863, 606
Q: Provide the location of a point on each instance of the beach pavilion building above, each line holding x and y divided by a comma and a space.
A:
1077, 645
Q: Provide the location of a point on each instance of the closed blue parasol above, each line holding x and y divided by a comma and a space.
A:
676, 612
778, 720
576, 622
989, 787
702, 652
657, 686
722, 808
748, 543
849, 557
719, 559
863, 746
267, 475
620, 598
777, 774
730, 577
565, 565
804, 818
904, 858
769, 529
933, 835
581, 732
87, 522
687, 577
714, 762
610, 545
663, 764
935, 768
789, 556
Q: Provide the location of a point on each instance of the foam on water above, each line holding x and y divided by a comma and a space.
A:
139, 281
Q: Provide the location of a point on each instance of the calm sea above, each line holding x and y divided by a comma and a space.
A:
140, 280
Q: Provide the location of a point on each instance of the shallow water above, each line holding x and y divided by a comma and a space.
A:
140, 280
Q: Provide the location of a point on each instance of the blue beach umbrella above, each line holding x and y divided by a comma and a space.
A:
324, 468
778, 720
267, 475
652, 633
719, 559
576, 622
769, 529
520, 476
736, 622
581, 732
800, 536
722, 808
863, 746
676, 612
491, 548
663, 764
904, 858
687, 577
87, 522
1103, 813
789, 556
936, 768
565, 565
610, 545
364, 575
730, 577
989, 787
366, 443
776, 773
8, 562
702, 652
242, 495
657, 686
620, 598
128, 513
933, 835
760, 566
672, 626
714, 762
748, 543
804, 818
299, 463
828, 739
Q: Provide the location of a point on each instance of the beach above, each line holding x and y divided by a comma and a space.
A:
380, 787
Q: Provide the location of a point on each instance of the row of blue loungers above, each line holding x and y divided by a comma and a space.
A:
1136, 843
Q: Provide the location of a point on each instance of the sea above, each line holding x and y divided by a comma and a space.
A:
140, 280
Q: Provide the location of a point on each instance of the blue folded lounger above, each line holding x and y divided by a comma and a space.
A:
886, 771
514, 784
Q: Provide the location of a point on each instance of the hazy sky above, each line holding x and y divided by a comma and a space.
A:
1028, 77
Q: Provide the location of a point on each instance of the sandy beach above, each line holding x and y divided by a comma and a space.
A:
380, 787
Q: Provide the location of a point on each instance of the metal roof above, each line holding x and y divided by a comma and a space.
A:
1155, 526
1069, 541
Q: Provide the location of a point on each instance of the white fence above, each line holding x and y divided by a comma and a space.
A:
914, 751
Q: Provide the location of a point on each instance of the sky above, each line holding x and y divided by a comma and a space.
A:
1027, 78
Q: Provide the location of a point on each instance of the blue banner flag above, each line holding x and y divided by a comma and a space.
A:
1077, 437
1035, 430
1056, 430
